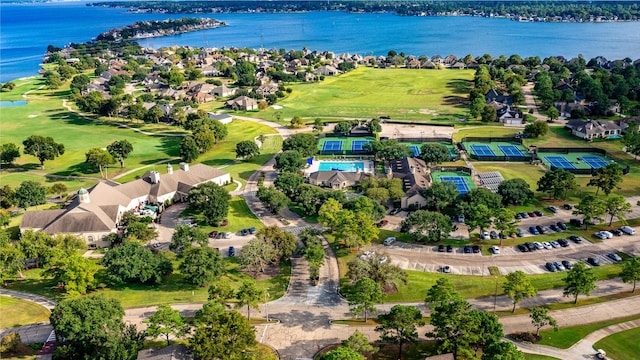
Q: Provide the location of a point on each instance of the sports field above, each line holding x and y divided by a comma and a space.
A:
340, 145
366, 92
416, 146
574, 160
463, 181
485, 149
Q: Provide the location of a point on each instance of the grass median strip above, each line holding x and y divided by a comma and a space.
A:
566, 337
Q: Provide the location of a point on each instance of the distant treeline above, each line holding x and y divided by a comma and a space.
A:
159, 28
532, 10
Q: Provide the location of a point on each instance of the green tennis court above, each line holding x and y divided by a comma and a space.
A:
508, 149
462, 180
577, 160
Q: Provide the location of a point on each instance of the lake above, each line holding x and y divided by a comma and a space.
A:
27, 29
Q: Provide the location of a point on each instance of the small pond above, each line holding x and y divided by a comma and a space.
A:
11, 103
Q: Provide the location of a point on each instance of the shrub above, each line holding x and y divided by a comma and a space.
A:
10, 342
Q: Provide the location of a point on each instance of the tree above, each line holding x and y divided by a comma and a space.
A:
314, 254
30, 193
9, 152
617, 206
553, 113
288, 183
99, 158
283, 242
201, 265
11, 257
505, 221
479, 217
502, 350
297, 122
44, 148
256, 254
518, 286
373, 126
606, 178
537, 129
399, 325
592, 207
483, 196
250, 295
488, 113
189, 149
91, 327
428, 225
579, 280
440, 195
120, 150
220, 292
247, 149
73, 272
343, 127
166, 321
184, 236
631, 272
387, 275
540, 317
327, 215
58, 189
318, 126
363, 296
224, 335
7, 197
342, 353
5, 218
515, 192
134, 263
211, 199
358, 343
557, 182
434, 153
272, 198
305, 144
289, 161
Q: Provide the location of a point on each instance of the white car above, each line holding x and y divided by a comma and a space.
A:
485, 236
546, 245
607, 234
538, 245
388, 241
494, 249
627, 230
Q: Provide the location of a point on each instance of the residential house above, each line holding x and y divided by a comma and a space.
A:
95, 213
327, 70
413, 174
223, 118
223, 91
493, 96
242, 103
624, 123
509, 115
594, 129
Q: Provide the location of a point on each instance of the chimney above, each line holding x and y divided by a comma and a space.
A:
184, 166
169, 169
83, 196
154, 177
412, 169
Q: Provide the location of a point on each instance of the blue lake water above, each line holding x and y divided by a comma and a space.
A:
11, 103
27, 29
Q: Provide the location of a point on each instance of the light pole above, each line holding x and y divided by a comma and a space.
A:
266, 309
495, 296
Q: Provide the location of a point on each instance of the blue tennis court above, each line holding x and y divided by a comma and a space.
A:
356, 145
332, 145
458, 181
416, 150
595, 162
559, 162
482, 150
510, 150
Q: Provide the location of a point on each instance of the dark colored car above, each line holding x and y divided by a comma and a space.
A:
575, 239
532, 214
519, 232
518, 217
563, 242
244, 232
476, 249
562, 225
533, 230
524, 215
538, 213
530, 246
615, 257
540, 229
553, 209
523, 248
616, 232
449, 248
395, 211
252, 230
213, 234
593, 261
567, 264
232, 251
554, 227
567, 206
575, 222
467, 249
493, 234
440, 248
550, 267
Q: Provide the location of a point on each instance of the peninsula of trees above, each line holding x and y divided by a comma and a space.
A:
155, 28
556, 11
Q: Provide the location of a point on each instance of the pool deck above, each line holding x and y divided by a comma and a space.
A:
368, 166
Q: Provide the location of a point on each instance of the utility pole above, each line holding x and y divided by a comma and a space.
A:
266, 309
495, 296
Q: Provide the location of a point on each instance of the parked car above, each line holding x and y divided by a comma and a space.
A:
530, 246
228, 235
213, 234
524, 215
252, 230
546, 245
567, 264
567, 206
538, 245
494, 250
558, 266
232, 251
553, 209
388, 241
446, 269
593, 261
493, 234
540, 229
575, 222
383, 223
550, 267
485, 236
523, 248
616, 232
533, 230
532, 214
467, 249
449, 248
461, 218
628, 230
518, 216
575, 239
607, 234
244, 232
554, 227
519, 232
615, 257
476, 249
554, 244
562, 225
440, 248
538, 213
563, 242
600, 235
395, 211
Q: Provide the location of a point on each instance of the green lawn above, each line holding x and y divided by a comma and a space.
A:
17, 312
14, 179
240, 217
622, 345
538, 357
564, 338
491, 130
367, 92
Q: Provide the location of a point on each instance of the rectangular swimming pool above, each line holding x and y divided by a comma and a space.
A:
348, 166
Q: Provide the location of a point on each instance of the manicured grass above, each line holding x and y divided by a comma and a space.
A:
491, 130
240, 217
242, 170
622, 345
368, 92
356, 322
17, 312
538, 357
14, 179
564, 338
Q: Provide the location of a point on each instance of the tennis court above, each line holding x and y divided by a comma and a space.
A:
596, 162
482, 150
416, 150
357, 145
461, 180
559, 162
332, 145
510, 150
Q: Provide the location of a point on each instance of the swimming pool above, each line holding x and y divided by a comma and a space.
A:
348, 166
